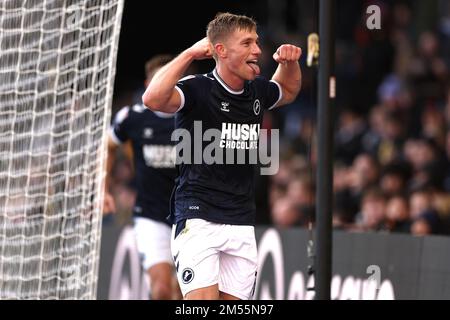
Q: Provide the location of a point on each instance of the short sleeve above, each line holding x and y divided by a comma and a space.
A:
269, 91
118, 131
274, 94
185, 88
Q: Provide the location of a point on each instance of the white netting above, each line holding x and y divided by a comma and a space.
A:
57, 67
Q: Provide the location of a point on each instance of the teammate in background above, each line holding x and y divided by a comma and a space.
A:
149, 133
213, 240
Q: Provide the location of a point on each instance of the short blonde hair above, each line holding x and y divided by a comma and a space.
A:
226, 23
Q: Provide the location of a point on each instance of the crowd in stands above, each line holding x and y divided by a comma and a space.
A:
392, 131
392, 127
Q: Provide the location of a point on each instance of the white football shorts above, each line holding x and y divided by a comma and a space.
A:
207, 253
153, 241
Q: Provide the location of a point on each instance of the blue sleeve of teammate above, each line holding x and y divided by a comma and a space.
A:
120, 125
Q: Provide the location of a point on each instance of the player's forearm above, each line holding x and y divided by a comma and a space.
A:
160, 90
289, 76
112, 147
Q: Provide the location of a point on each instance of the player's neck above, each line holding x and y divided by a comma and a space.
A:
233, 81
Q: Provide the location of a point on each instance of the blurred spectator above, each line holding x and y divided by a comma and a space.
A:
363, 174
394, 178
372, 138
344, 210
440, 201
433, 125
348, 140
392, 138
425, 224
397, 214
373, 211
341, 175
427, 163
428, 70
420, 201
390, 90
285, 213
301, 191
302, 142
125, 197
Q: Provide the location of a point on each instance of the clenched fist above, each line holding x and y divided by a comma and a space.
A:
287, 53
201, 50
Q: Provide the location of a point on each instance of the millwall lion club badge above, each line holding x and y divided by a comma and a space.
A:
256, 107
187, 275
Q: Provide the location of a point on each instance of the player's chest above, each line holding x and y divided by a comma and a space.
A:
232, 109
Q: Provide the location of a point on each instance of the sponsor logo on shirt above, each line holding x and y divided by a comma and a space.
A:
239, 136
159, 156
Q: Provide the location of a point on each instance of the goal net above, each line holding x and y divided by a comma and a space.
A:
57, 67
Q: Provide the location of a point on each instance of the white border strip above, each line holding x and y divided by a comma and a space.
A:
113, 136
216, 75
280, 96
182, 98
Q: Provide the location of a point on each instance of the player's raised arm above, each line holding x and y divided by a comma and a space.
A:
161, 94
288, 74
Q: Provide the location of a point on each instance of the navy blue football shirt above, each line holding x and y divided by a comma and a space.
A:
220, 193
154, 161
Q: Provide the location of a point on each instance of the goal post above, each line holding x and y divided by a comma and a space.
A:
57, 68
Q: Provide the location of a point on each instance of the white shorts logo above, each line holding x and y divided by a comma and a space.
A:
187, 275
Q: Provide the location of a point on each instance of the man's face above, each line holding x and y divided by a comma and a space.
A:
242, 54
